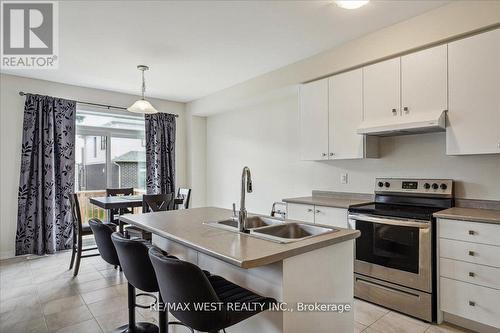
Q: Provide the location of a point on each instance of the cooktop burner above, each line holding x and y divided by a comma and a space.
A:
415, 199
397, 211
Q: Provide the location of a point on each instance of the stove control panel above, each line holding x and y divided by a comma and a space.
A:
431, 187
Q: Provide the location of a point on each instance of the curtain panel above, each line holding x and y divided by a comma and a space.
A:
160, 153
44, 220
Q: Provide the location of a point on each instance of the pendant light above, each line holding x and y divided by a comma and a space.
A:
141, 105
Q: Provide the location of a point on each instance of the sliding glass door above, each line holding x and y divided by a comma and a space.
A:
110, 153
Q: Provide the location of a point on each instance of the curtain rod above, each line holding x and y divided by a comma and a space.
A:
22, 93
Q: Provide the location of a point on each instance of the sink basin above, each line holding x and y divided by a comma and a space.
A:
275, 230
289, 232
251, 223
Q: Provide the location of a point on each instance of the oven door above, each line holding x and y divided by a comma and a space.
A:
393, 250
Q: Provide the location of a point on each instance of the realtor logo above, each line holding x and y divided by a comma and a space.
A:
29, 34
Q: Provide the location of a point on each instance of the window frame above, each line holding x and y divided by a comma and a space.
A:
108, 133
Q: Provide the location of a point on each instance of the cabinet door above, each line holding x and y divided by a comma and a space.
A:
345, 115
381, 90
474, 95
300, 212
314, 120
333, 216
424, 77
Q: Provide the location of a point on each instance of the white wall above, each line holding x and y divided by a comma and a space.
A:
265, 137
11, 118
438, 25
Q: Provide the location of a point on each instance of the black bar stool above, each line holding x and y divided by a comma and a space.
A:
134, 259
136, 265
102, 235
182, 282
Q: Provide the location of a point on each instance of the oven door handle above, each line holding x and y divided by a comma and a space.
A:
383, 220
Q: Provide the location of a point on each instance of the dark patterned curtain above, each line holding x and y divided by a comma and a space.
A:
160, 153
44, 220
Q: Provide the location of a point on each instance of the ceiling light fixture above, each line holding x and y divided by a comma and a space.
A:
141, 105
351, 4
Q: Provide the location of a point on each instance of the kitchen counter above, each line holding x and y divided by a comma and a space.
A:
470, 214
186, 227
341, 201
314, 270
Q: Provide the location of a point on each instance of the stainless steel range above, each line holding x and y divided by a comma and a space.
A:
395, 260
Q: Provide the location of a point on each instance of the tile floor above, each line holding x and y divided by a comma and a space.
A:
41, 295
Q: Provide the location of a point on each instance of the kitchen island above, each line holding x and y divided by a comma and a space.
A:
315, 270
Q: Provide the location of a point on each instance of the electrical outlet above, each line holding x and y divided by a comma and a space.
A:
344, 179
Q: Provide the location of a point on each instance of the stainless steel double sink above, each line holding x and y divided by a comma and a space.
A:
273, 229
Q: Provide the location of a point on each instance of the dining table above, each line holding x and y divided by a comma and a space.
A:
121, 202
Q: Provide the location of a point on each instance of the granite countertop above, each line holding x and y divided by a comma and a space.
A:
470, 214
186, 227
338, 200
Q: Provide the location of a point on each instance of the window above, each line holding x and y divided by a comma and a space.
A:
109, 151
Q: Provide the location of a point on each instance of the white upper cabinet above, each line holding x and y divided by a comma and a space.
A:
313, 104
345, 115
424, 81
381, 82
474, 95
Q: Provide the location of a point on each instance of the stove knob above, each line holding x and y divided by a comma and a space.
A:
443, 186
387, 184
435, 186
380, 184
427, 186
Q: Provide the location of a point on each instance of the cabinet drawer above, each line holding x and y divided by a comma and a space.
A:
470, 301
485, 233
333, 216
478, 274
469, 252
300, 212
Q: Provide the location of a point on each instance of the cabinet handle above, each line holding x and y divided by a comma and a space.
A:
472, 303
471, 274
318, 211
324, 154
471, 253
309, 210
406, 109
471, 232
394, 112
331, 154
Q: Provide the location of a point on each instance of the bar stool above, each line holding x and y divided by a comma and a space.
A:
134, 259
136, 265
102, 235
182, 282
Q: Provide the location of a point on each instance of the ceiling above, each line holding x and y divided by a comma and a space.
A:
195, 48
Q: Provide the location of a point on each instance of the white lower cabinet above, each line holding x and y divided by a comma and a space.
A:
300, 212
470, 301
336, 217
469, 270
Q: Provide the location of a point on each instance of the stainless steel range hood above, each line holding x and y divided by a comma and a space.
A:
423, 122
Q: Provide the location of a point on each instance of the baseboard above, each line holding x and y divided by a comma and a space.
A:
469, 324
7, 255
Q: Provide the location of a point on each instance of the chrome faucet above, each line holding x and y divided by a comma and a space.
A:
242, 216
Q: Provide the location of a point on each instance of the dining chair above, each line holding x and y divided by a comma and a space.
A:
157, 202
151, 203
185, 194
79, 230
115, 213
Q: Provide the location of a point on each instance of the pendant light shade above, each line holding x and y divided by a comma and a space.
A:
141, 105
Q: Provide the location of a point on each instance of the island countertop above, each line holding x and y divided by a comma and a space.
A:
187, 228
